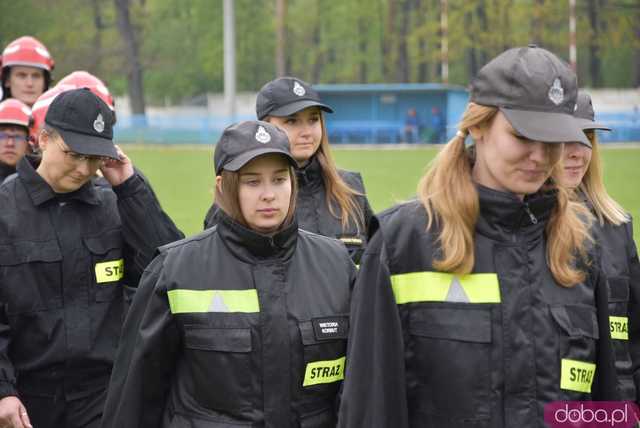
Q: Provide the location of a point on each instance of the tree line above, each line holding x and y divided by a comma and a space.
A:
167, 52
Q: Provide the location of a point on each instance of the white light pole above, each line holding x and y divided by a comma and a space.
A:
229, 59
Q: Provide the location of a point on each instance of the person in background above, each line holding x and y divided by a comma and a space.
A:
438, 128
412, 127
613, 231
15, 120
331, 202
477, 304
26, 70
74, 80
67, 250
244, 324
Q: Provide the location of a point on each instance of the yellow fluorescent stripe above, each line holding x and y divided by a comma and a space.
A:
324, 372
110, 271
576, 375
619, 327
420, 287
355, 241
190, 301
481, 287
434, 286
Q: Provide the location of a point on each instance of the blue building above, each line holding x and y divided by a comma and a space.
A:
378, 113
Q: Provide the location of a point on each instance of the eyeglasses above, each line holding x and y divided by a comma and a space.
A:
16, 138
77, 157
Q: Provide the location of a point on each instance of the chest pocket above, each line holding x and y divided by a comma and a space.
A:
107, 264
31, 276
618, 307
578, 326
219, 360
325, 346
448, 359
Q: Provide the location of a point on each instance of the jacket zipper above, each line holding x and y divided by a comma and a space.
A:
533, 218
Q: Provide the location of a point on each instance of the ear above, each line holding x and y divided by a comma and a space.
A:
219, 183
476, 133
43, 140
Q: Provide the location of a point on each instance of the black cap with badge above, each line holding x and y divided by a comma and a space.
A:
585, 115
244, 141
285, 96
535, 90
84, 121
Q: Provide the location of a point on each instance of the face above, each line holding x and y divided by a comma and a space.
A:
509, 163
264, 192
63, 169
576, 160
13, 144
304, 130
26, 83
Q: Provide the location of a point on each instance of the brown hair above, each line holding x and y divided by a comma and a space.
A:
451, 201
592, 186
227, 196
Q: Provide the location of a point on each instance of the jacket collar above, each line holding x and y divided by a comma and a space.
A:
504, 213
253, 247
310, 174
40, 191
5, 171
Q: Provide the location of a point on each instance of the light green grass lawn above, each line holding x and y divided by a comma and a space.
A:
183, 177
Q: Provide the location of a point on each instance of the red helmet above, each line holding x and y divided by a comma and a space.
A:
14, 112
83, 79
27, 51
41, 106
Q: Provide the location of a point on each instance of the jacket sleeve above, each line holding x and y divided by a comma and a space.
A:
145, 361
145, 226
7, 371
634, 309
374, 393
605, 381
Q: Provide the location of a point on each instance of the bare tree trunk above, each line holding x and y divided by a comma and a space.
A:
132, 56
594, 47
389, 42
402, 70
537, 22
362, 46
423, 62
281, 37
99, 25
316, 71
636, 51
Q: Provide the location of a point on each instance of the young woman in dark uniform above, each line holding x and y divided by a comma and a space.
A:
246, 323
474, 305
613, 232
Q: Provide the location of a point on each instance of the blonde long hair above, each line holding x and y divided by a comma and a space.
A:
451, 200
592, 186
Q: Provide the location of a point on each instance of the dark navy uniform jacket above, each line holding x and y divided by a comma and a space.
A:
64, 260
620, 264
488, 349
232, 328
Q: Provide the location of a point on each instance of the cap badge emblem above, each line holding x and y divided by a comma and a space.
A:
298, 89
556, 93
262, 136
98, 124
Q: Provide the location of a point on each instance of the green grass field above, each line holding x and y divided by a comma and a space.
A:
183, 177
